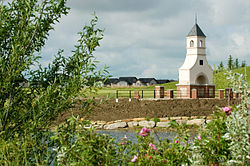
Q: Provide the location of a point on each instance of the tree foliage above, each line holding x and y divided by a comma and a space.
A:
25, 26
230, 62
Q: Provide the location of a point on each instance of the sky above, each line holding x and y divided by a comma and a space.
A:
147, 38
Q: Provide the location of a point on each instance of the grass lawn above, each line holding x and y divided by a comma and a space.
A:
221, 81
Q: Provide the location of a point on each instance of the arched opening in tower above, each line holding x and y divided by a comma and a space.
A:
201, 80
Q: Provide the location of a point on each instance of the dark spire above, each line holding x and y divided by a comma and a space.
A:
196, 31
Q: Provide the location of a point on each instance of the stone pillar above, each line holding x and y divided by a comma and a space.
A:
213, 92
170, 94
206, 95
136, 94
159, 90
228, 93
194, 94
235, 95
221, 93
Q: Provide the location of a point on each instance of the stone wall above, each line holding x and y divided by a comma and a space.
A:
129, 123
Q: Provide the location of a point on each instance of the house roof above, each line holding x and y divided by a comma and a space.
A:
162, 81
196, 31
129, 80
111, 81
146, 80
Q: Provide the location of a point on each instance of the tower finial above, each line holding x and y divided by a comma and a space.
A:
195, 18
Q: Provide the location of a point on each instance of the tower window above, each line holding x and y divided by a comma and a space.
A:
201, 62
191, 43
200, 43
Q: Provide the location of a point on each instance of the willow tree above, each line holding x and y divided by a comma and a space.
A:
24, 28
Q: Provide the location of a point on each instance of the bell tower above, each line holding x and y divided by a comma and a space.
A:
196, 73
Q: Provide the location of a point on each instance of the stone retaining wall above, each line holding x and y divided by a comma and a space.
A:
126, 123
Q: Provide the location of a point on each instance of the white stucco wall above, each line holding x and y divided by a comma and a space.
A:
122, 83
196, 49
138, 83
191, 69
198, 70
184, 76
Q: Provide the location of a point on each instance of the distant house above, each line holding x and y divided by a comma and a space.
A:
126, 81
163, 81
133, 81
146, 82
111, 82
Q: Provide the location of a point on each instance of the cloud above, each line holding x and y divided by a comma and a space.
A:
145, 38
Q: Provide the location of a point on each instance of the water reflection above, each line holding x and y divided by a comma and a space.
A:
131, 135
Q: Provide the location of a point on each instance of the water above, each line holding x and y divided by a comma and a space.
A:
131, 135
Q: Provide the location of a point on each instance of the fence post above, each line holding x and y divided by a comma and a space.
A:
129, 96
229, 93
221, 93
170, 94
116, 100
154, 94
136, 94
235, 95
142, 94
159, 91
194, 94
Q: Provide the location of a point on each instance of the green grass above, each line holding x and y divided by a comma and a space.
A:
219, 79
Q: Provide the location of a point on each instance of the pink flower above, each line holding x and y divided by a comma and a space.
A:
148, 156
227, 110
144, 132
152, 146
176, 141
199, 137
135, 158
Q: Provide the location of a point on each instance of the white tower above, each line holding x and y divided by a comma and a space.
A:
196, 73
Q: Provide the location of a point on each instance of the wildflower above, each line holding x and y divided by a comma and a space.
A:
227, 110
176, 141
125, 137
148, 156
199, 137
144, 132
152, 146
135, 158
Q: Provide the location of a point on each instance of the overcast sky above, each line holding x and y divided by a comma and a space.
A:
146, 38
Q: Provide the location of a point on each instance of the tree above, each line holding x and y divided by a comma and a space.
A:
24, 28
221, 66
243, 64
230, 63
237, 63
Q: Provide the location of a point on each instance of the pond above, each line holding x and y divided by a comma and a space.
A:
131, 135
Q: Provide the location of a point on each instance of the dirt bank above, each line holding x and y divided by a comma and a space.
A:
110, 110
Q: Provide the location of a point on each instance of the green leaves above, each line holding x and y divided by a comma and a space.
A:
26, 25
